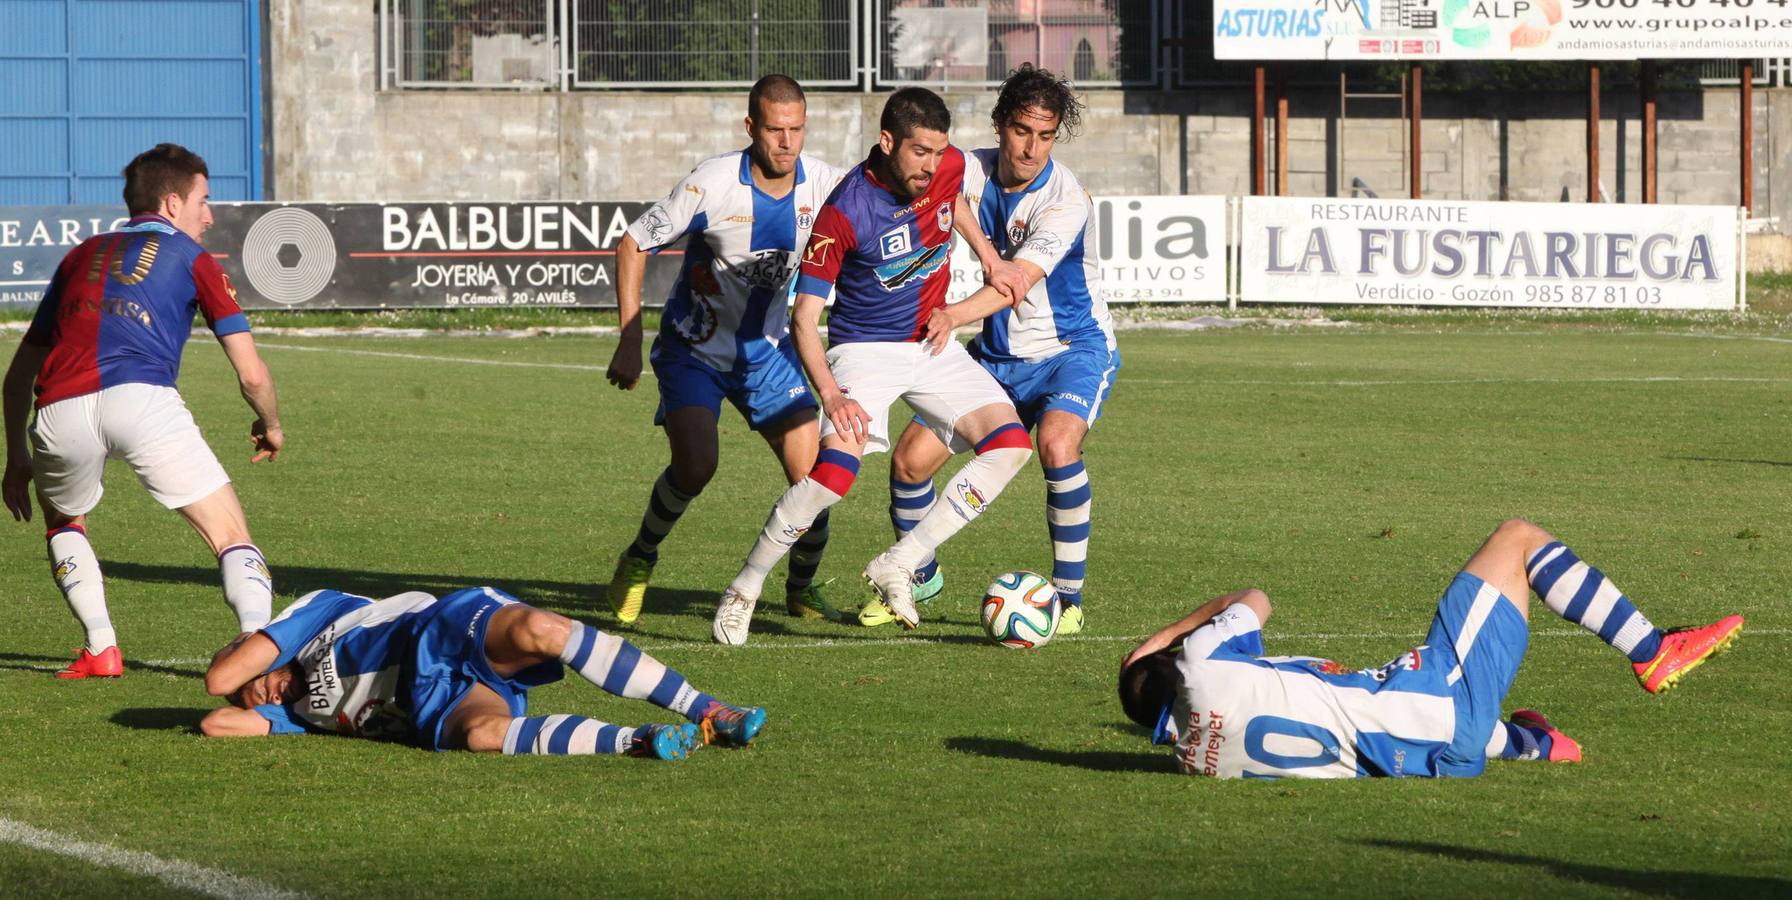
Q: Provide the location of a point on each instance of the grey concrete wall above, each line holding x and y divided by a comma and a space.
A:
338, 138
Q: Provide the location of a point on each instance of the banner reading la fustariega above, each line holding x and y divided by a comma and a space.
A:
1145, 249
1500, 29
1463, 253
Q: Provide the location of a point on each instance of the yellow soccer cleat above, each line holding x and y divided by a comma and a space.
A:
1070, 621
628, 587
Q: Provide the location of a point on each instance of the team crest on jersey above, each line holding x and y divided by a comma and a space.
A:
895, 243
944, 217
700, 325
1017, 232
819, 248
805, 217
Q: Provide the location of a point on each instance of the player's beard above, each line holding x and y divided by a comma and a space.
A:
769, 167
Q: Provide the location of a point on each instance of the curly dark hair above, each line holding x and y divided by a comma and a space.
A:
1030, 85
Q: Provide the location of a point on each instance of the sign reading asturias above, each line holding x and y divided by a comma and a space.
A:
1501, 29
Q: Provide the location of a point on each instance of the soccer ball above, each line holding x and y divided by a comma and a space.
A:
1020, 610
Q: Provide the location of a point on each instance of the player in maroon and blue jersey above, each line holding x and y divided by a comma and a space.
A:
881, 244
101, 357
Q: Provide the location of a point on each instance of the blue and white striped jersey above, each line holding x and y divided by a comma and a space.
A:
350, 651
1050, 224
1243, 715
730, 303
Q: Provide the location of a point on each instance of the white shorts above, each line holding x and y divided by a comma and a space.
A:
941, 389
146, 425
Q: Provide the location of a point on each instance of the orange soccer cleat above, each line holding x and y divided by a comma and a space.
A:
108, 664
1683, 649
1562, 748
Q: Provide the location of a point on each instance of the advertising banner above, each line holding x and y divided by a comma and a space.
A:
1413, 30
1148, 249
1460, 253
374, 255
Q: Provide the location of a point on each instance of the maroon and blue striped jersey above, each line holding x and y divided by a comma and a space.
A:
120, 309
887, 257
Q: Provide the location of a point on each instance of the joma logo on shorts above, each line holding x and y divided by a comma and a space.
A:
1074, 398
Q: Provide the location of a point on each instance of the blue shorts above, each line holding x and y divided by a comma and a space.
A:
766, 393
448, 659
1478, 637
1076, 381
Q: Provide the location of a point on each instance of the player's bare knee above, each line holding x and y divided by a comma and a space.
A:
541, 632
485, 734
906, 466
1059, 450
1523, 532
691, 471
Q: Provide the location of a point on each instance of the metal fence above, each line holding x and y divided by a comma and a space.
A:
713, 43
1096, 43
469, 43
730, 43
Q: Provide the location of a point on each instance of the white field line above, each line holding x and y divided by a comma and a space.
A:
183, 875
1400, 382
919, 640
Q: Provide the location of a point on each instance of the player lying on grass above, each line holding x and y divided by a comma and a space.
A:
1204, 684
451, 674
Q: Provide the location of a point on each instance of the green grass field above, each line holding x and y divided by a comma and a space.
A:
1347, 471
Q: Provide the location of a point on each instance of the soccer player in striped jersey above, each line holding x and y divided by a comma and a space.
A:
102, 355
724, 331
1054, 353
1204, 684
452, 674
881, 245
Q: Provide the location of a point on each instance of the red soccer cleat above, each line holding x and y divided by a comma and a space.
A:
109, 664
1683, 649
1562, 748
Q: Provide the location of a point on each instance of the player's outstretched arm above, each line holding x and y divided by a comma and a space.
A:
1005, 276
631, 272
20, 376
257, 385
234, 721
987, 301
1168, 635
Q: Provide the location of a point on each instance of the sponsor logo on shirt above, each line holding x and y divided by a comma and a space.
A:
895, 243
1200, 754
916, 266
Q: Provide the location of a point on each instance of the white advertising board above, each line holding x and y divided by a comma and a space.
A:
1149, 250
1413, 30
1462, 253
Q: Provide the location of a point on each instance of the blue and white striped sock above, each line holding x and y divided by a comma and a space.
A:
806, 553
622, 669
664, 506
1512, 741
563, 735
1067, 502
1583, 595
909, 503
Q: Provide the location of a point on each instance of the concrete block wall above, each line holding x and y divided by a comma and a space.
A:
337, 137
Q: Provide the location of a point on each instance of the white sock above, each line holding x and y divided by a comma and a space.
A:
999, 457
77, 573
248, 585
790, 519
